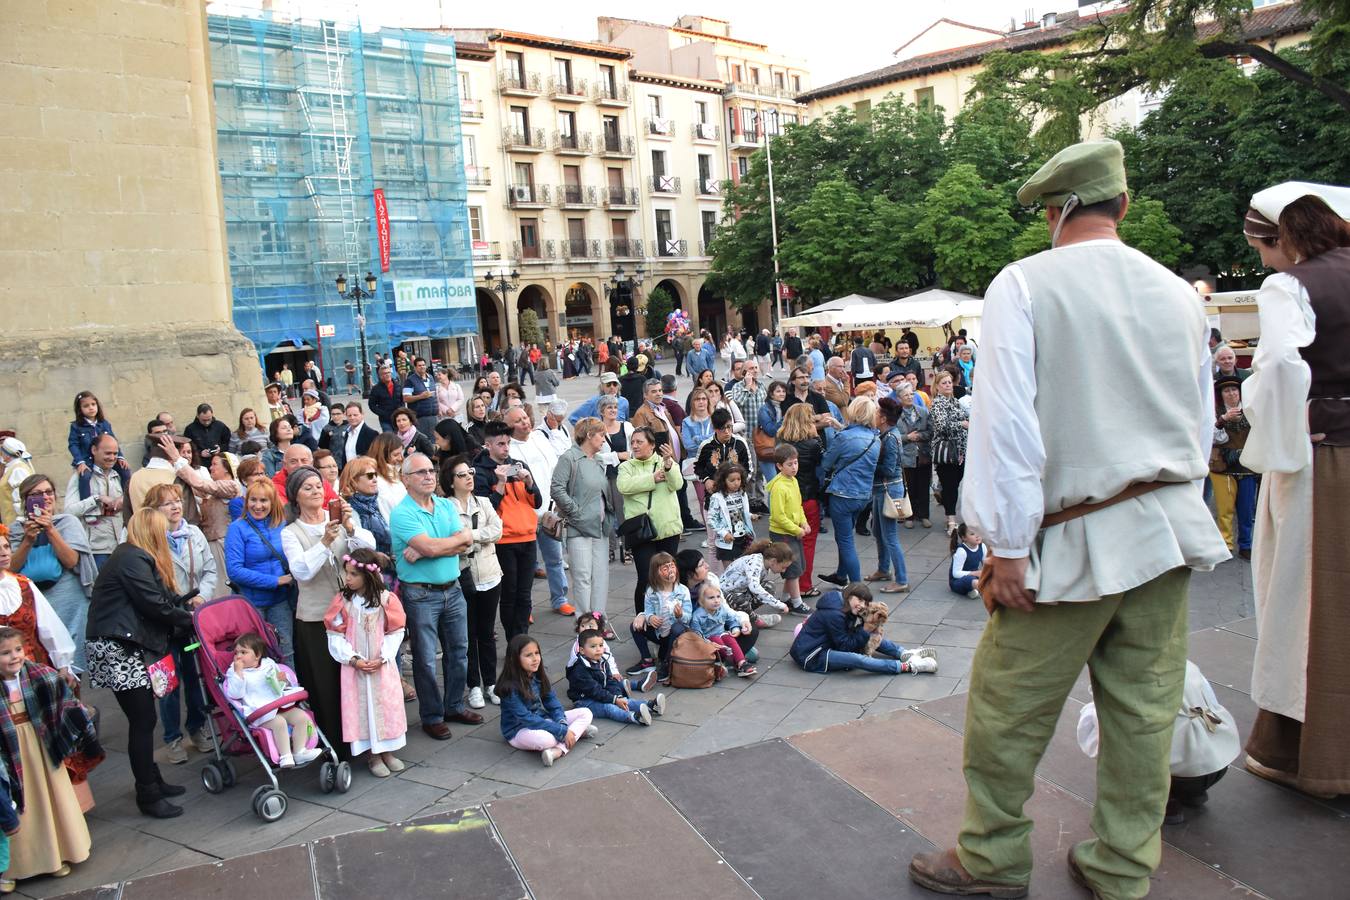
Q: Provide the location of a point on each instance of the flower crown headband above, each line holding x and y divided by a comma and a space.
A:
369, 567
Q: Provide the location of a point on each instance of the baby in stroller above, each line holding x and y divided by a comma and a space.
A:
254, 681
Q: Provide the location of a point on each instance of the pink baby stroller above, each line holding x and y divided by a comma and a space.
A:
218, 623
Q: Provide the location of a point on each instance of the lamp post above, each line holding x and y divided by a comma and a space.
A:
504, 284
622, 284
773, 216
357, 295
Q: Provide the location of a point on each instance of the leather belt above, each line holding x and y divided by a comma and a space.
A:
444, 586
1082, 509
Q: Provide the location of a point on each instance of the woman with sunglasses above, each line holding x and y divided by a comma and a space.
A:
480, 577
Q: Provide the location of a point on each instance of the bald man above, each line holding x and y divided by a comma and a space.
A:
296, 456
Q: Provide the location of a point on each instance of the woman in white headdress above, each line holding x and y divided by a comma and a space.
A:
1298, 402
16, 464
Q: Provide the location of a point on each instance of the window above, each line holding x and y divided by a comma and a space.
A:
271, 234
654, 106
520, 121
615, 178
476, 224
736, 73
567, 127
704, 170
797, 83
529, 238
262, 154
465, 86
562, 69
772, 125
325, 151
748, 123
701, 112
923, 99
396, 159
790, 118
779, 81
525, 173
658, 163
608, 81
610, 126
709, 225
743, 165
572, 176
389, 76
618, 229
754, 75
576, 231
470, 152
515, 67
862, 110
664, 230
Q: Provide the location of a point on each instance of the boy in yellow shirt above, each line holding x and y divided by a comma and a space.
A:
787, 522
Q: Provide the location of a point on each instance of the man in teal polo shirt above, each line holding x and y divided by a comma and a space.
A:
427, 540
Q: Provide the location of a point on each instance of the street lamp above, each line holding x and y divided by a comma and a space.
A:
773, 212
357, 295
622, 284
504, 284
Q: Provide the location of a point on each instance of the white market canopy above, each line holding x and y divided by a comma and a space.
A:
824, 315
926, 309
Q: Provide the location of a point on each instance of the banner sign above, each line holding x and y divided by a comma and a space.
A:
413, 294
382, 228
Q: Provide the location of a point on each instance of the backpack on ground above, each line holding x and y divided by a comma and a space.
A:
695, 662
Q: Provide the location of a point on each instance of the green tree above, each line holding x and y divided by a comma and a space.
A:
1147, 229
530, 332
968, 225
659, 305
822, 259
894, 254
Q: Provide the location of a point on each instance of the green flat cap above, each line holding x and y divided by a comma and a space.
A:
1094, 170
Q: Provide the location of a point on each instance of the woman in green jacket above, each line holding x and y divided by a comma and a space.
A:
650, 482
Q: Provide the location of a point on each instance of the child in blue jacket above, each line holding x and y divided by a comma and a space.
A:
532, 717
87, 425
593, 685
833, 639
718, 623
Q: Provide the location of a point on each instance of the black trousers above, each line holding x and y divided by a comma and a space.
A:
918, 482
679, 362
517, 581
950, 474
482, 622
321, 676
642, 560
139, 706
686, 516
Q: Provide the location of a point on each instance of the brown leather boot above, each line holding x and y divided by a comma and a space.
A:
941, 871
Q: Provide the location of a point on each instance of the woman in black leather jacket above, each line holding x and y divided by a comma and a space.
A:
134, 616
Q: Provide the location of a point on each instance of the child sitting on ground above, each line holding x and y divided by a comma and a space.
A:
716, 622
967, 559
748, 583
665, 616
366, 625
729, 513
591, 684
833, 637
254, 681
1204, 741
532, 717
596, 621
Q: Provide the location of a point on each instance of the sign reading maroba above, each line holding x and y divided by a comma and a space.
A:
412, 294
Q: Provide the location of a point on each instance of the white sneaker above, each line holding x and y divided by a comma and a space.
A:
286, 761
643, 714
769, 620
591, 731
393, 763
476, 698
176, 754
201, 739
973, 594
306, 756
659, 705
921, 652
551, 755
492, 696
923, 664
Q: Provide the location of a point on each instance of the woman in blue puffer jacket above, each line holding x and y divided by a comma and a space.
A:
833, 639
256, 565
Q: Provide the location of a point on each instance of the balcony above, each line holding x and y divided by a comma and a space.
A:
520, 84
663, 128
769, 91
624, 248
527, 141
668, 247
258, 166
540, 253
567, 91
705, 248
580, 248
710, 187
527, 196
578, 195
275, 253
609, 94
477, 178
747, 139
616, 145
571, 144
485, 250
665, 184
471, 109
621, 197
705, 131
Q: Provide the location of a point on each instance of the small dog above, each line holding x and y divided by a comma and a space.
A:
874, 618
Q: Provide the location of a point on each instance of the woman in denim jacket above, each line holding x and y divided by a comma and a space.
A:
848, 468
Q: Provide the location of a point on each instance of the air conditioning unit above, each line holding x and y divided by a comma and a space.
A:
521, 193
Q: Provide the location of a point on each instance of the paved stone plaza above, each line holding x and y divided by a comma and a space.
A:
477, 766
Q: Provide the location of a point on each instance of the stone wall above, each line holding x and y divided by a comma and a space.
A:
112, 238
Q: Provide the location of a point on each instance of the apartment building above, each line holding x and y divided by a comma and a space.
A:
938, 67
759, 90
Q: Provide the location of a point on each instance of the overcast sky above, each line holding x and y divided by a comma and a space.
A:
845, 37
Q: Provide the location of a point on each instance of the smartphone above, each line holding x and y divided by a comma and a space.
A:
515, 471
335, 511
32, 505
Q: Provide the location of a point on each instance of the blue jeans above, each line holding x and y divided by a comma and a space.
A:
100, 559
612, 711
552, 552
642, 638
840, 661
843, 514
438, 620
888, 537
281, 616
190, 686
963, 585
1246, 510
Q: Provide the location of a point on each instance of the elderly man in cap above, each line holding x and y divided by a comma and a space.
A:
553, 426
1092, 539
609, 387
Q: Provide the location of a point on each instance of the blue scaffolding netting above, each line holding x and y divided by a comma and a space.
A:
312, 118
